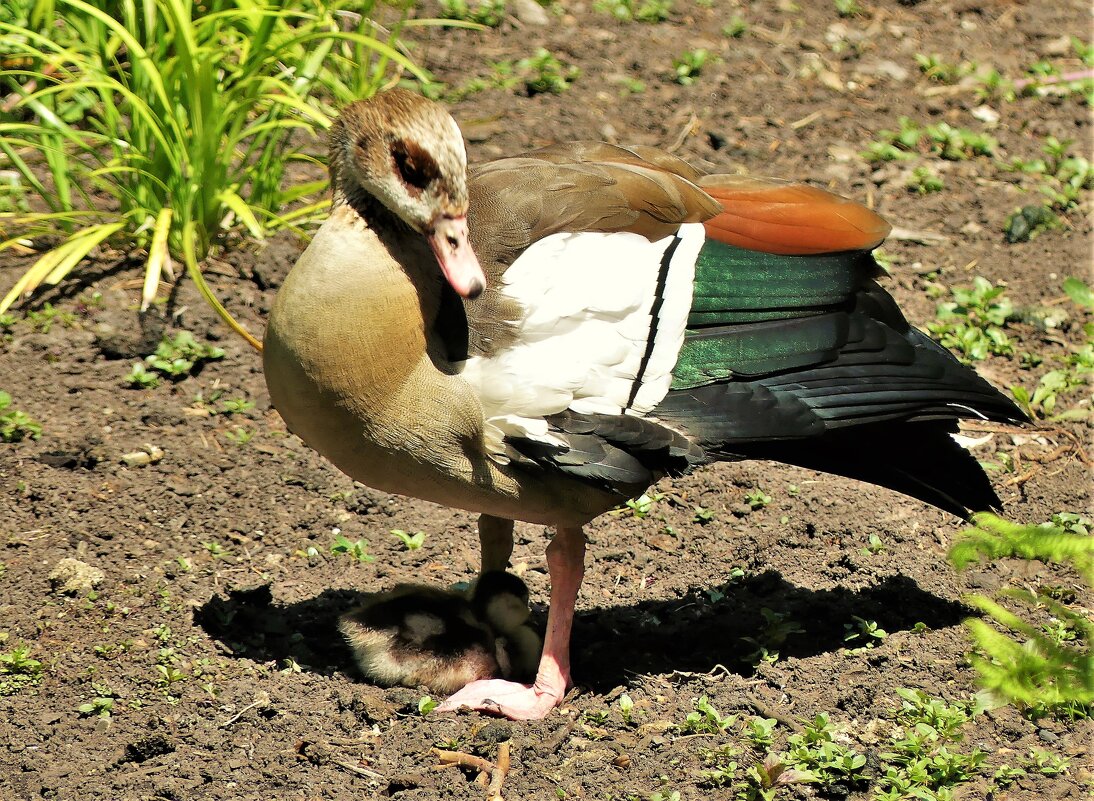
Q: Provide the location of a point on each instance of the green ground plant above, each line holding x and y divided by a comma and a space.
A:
689, 64
1074, 371
181, 113
16, 425
18, 670
651, 11
175, 358
972, 322
355, 550
941, 139
411, 542
543, 73
1032, 650
483, 12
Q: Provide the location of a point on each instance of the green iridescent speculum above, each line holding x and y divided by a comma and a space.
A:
744, 301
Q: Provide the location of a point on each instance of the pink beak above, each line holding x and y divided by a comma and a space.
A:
458, 261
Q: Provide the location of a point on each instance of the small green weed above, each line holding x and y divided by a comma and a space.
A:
760, 732
874, 547
232, 406
239, 435
689, 64
942, 139
42, 319
17, 670
702, 515
357, 551
848, 8
757, 499
778, 626
175, 357
919, 762
705, 719
1045, 763
14, 424
736, 27
483, 12
545, 74
215, 549
639, 507
815, 752
651, 11
626, 708
141, 377
100, 706
411, 542
972, 322
924, 181
862, 634
934, 68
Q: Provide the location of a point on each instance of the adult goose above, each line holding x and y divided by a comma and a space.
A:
542, 337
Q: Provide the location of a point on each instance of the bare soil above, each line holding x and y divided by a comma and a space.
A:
204, 552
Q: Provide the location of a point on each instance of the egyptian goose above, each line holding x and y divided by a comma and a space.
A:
625, 318
415, 635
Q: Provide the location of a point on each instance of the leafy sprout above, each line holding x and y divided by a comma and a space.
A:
16, 425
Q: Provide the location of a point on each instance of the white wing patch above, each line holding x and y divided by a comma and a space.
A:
603, 326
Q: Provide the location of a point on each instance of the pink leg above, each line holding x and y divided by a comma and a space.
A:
566, 562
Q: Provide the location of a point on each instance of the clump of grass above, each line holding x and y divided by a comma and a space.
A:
184, 114
1044, 667
16, 425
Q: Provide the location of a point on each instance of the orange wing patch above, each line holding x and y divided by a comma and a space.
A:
789, 219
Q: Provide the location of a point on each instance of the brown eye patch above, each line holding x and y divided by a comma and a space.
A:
415, 166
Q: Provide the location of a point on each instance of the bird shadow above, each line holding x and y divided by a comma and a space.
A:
733, 627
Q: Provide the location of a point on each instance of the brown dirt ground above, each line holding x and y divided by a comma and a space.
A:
244, 723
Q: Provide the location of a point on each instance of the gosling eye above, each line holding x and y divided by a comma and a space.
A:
415, 167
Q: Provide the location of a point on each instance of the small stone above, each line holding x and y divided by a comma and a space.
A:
986, 115
530, 12
149, 455
1047, 736
71, 576
741, 510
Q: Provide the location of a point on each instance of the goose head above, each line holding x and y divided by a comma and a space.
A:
407, 153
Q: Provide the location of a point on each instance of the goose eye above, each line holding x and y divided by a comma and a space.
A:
415, 166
